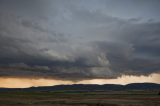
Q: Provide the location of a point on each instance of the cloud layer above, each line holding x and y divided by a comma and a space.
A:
78, 39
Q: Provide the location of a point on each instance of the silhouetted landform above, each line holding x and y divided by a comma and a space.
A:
90, 87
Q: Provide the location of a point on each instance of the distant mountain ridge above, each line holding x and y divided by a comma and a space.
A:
90, 87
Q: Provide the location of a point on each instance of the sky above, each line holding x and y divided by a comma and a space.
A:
51, 42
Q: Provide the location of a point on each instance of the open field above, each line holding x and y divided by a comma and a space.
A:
116, 98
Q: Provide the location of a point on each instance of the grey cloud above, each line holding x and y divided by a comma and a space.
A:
136, 49
60, 39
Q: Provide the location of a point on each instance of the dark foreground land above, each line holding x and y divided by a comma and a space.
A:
64, 98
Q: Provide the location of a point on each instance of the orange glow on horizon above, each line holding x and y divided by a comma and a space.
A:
28, 82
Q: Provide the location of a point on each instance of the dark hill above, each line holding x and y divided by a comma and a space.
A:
142, 86
89, 87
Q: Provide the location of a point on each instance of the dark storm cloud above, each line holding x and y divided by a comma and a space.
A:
79, 39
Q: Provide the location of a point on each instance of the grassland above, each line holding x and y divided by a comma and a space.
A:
63, 98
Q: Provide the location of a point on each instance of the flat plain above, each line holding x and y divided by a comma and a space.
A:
64, 98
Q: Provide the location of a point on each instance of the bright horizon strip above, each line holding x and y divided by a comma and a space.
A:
10, 82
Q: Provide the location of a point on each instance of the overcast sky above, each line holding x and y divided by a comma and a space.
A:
79, 39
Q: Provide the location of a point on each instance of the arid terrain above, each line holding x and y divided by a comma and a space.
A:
63, 98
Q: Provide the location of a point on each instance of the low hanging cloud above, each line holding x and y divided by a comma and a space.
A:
68, 40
